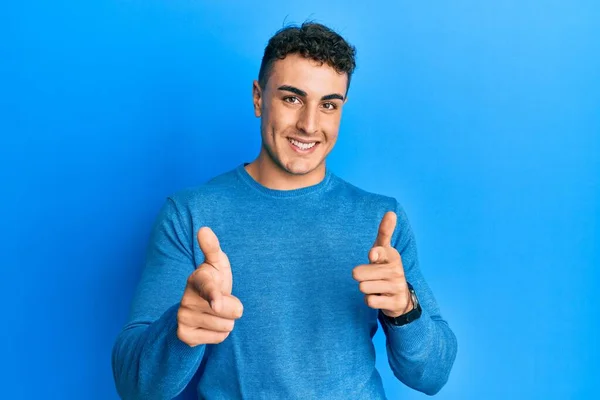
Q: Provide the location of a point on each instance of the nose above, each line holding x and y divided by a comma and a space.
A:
308, 121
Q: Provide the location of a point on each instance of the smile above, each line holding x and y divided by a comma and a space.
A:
301, 147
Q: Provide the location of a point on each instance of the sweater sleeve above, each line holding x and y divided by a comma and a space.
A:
148, 359
421, 353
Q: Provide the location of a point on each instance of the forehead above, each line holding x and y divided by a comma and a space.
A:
308, 75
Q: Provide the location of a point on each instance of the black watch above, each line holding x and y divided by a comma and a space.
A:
410, 316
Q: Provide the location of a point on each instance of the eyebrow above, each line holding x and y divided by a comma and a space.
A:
302, 93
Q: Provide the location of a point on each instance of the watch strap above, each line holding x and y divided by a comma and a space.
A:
410, 316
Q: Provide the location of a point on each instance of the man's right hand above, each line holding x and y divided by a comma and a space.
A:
207, 311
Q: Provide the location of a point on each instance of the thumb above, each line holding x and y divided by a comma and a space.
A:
386, 229
209, 244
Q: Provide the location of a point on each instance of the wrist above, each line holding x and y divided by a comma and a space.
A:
410, 305
411, 313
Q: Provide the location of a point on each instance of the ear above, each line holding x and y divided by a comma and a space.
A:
257, 98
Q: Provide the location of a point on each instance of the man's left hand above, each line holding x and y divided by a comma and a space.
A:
383, 281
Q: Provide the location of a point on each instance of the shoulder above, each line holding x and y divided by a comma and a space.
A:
206, 195
357, 195
375, 205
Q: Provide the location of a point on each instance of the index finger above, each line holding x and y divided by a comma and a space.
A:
386, 229
209, 244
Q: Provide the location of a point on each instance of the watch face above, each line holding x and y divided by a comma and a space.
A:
414, 298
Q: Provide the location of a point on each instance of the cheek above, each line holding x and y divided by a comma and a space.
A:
276, 114
269, 123
282, 120
331, 127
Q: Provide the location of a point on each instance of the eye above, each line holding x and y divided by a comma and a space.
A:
291, 100
330, 106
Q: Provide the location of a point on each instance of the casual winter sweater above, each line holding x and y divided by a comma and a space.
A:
306, 331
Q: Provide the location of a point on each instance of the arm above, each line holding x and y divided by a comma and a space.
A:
421, 353
149, 361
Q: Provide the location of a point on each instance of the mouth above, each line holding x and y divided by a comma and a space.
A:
302, 146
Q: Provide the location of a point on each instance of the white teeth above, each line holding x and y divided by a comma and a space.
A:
303, 146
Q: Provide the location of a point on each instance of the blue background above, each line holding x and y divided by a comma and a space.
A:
482, 118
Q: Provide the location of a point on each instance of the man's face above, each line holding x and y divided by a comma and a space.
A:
302, 102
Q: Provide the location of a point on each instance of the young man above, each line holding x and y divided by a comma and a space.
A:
268, 280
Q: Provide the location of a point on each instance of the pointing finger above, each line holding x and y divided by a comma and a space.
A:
209, 244
386, 229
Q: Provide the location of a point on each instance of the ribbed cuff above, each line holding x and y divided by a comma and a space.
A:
414, 337
178, 352
170, 363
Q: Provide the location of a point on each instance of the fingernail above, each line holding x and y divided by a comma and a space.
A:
376, 257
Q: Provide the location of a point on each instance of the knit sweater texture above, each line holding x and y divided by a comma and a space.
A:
306, 331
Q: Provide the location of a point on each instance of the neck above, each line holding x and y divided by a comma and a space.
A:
269, 174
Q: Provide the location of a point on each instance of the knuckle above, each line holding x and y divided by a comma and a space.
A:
182, 316
190, 279
194, 276
396, 272
195, 280
218, 337
212, 340
210, 322
183, 335
398, 287
229, 326
186, 302
362, 286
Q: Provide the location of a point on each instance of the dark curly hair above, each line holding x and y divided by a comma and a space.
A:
310, 40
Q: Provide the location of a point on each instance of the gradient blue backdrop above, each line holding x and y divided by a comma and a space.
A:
483, 118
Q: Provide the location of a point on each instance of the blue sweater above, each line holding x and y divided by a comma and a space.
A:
306, 332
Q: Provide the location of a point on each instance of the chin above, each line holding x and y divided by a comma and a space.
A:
300, 167
298, 171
